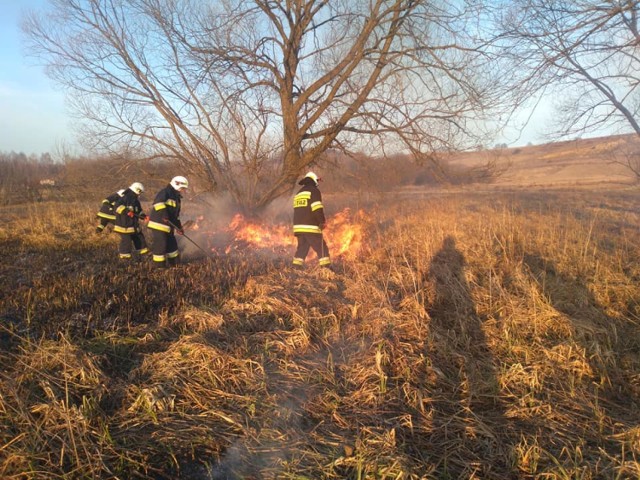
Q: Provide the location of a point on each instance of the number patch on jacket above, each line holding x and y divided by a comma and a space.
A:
300, 202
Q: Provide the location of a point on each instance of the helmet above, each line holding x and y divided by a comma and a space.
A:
179, 183
313, 177
137, 188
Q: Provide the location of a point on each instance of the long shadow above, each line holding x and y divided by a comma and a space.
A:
469, 424
606, 386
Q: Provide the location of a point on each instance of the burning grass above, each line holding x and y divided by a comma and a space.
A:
463, 337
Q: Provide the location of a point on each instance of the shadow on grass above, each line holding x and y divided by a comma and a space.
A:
469, 422
600, 380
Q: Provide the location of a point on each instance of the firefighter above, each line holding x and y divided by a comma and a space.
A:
308, 222
106, 215
164, 222
128, 215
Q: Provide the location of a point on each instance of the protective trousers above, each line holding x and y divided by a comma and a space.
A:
129, 240
164, 248
315, 241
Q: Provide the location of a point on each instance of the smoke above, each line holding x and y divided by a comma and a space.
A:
252, 457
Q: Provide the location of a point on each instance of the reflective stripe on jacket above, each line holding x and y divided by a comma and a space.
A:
165, 211
308, 211
106, 209
128, 203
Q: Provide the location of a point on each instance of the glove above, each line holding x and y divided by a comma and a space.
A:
130, 214
180, 231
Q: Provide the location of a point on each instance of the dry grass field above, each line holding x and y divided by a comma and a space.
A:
470, 335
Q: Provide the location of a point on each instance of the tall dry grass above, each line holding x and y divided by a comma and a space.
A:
477, 336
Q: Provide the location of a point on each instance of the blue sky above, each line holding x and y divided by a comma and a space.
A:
33, 118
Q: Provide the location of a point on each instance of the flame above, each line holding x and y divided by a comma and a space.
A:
260, 236
196, 223
343, 235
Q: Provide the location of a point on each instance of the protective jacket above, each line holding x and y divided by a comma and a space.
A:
106, 209
128, 210
308, 212
165, 212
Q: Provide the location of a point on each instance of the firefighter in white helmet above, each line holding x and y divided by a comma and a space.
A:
106, 215
128, 215
165, 223
308, 222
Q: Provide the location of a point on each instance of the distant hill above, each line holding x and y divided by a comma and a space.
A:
576, 163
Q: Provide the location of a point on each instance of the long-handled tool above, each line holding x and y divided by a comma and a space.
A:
189, 238
175, 227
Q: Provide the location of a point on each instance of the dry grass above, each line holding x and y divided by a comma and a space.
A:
478, 336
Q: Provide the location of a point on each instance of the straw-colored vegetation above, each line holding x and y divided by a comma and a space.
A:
476, 336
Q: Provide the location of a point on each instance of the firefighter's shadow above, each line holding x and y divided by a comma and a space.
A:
468, 414
584, 321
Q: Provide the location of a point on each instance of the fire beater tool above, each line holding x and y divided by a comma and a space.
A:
188, 238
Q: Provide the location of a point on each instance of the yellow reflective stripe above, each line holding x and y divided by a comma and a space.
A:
324, 261
106, 215
316, 206
301, 199
159, 226
159, 206
159, 258
171, 203
173, 254
143, 251
306, 229
120, 208
120, 229
298, 261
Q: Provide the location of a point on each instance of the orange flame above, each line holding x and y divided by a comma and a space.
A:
343, 236
260, 236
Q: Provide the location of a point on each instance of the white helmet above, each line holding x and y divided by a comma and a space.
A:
179, 183
313, 177
137, 188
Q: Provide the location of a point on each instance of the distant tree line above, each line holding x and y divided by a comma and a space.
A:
40, 178
29, 178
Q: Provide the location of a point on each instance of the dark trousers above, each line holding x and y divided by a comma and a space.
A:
129, 240
164, 247
311, 240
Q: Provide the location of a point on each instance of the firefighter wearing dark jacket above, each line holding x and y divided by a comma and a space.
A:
164, 222
128, 215
106, 215
308, 222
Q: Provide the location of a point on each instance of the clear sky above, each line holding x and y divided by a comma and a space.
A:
33, 116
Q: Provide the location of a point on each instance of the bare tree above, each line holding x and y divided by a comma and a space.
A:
247, 94
586, 52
